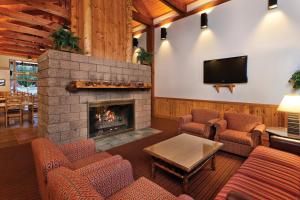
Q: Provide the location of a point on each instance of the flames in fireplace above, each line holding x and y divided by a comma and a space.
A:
105, 119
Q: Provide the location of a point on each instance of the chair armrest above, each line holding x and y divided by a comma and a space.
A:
184, 197
79, 149
257, 134
183, 120
109, 179
99, 164
220, 125
259, 129
213, 121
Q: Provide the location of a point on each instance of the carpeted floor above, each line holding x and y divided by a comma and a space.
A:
18, 181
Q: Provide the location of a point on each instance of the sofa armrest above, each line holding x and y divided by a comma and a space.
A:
184, 197
79, 149
109, 179
183, 120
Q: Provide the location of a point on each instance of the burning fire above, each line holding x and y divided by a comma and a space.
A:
108, 116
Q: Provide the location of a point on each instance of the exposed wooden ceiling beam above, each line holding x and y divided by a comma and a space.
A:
17, 48
142, 18
24, 29
4, 40
17, 53
19, 36
175, 5
30, 19
141, 8
47, 7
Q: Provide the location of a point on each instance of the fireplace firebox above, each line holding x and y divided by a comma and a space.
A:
107, 118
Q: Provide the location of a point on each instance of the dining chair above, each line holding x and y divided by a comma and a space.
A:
13, 109
33, 106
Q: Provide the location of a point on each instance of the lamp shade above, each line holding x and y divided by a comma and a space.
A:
290, 103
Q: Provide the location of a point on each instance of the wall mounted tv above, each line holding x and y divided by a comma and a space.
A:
226, 70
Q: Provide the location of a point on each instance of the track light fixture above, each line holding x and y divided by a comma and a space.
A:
204, 20
163, 33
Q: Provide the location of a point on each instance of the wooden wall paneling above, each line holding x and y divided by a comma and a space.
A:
77, 20
173, 108
112, 31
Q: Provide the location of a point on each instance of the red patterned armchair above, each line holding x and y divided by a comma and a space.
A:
240, 133
76, 155
98, 182
199, 122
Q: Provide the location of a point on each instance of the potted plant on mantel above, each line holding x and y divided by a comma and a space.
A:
295, 80
65, 40
144, 57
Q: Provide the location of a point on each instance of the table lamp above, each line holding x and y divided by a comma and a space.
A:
291, 105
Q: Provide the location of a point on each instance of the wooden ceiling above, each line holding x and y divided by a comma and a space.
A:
25, 25
146, 12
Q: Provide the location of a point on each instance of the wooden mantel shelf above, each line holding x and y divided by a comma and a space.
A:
74, 86
229, 86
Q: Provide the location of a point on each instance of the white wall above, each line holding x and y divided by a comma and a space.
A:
271, 39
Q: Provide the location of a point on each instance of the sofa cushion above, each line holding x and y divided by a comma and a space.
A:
236, 137
91, 159
272, 173
193, 127
241, 122
204, 115
142, 189
277, 156
66, 184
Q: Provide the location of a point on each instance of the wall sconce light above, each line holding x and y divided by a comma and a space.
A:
204, 20
135, 42
272, 4
163, 33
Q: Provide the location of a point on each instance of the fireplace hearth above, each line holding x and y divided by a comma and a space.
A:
107, 118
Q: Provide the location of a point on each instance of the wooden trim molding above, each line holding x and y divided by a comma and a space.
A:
173, 108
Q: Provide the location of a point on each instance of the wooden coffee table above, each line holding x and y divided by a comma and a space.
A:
183, 156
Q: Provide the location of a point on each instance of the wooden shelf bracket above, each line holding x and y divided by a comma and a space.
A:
229, 86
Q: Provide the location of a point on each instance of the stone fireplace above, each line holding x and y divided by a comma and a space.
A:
110, 117
64, 115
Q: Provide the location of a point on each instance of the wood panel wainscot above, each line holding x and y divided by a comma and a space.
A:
173, 108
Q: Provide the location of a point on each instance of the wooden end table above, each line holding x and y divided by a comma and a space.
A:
183, 156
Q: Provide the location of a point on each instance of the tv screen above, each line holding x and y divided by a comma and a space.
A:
227, 70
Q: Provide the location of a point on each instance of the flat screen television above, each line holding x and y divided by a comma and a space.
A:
226, 70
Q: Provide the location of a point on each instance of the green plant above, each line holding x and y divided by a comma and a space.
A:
295, 80
144, 57
64, 39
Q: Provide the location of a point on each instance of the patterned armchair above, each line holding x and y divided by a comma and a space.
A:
76, 155
112, 182
240, 133
199, 122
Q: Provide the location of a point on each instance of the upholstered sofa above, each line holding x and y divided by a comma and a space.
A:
97, 182
240, 133
48, 156
266, 174
200, 123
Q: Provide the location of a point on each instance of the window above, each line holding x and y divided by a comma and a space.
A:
23, 76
